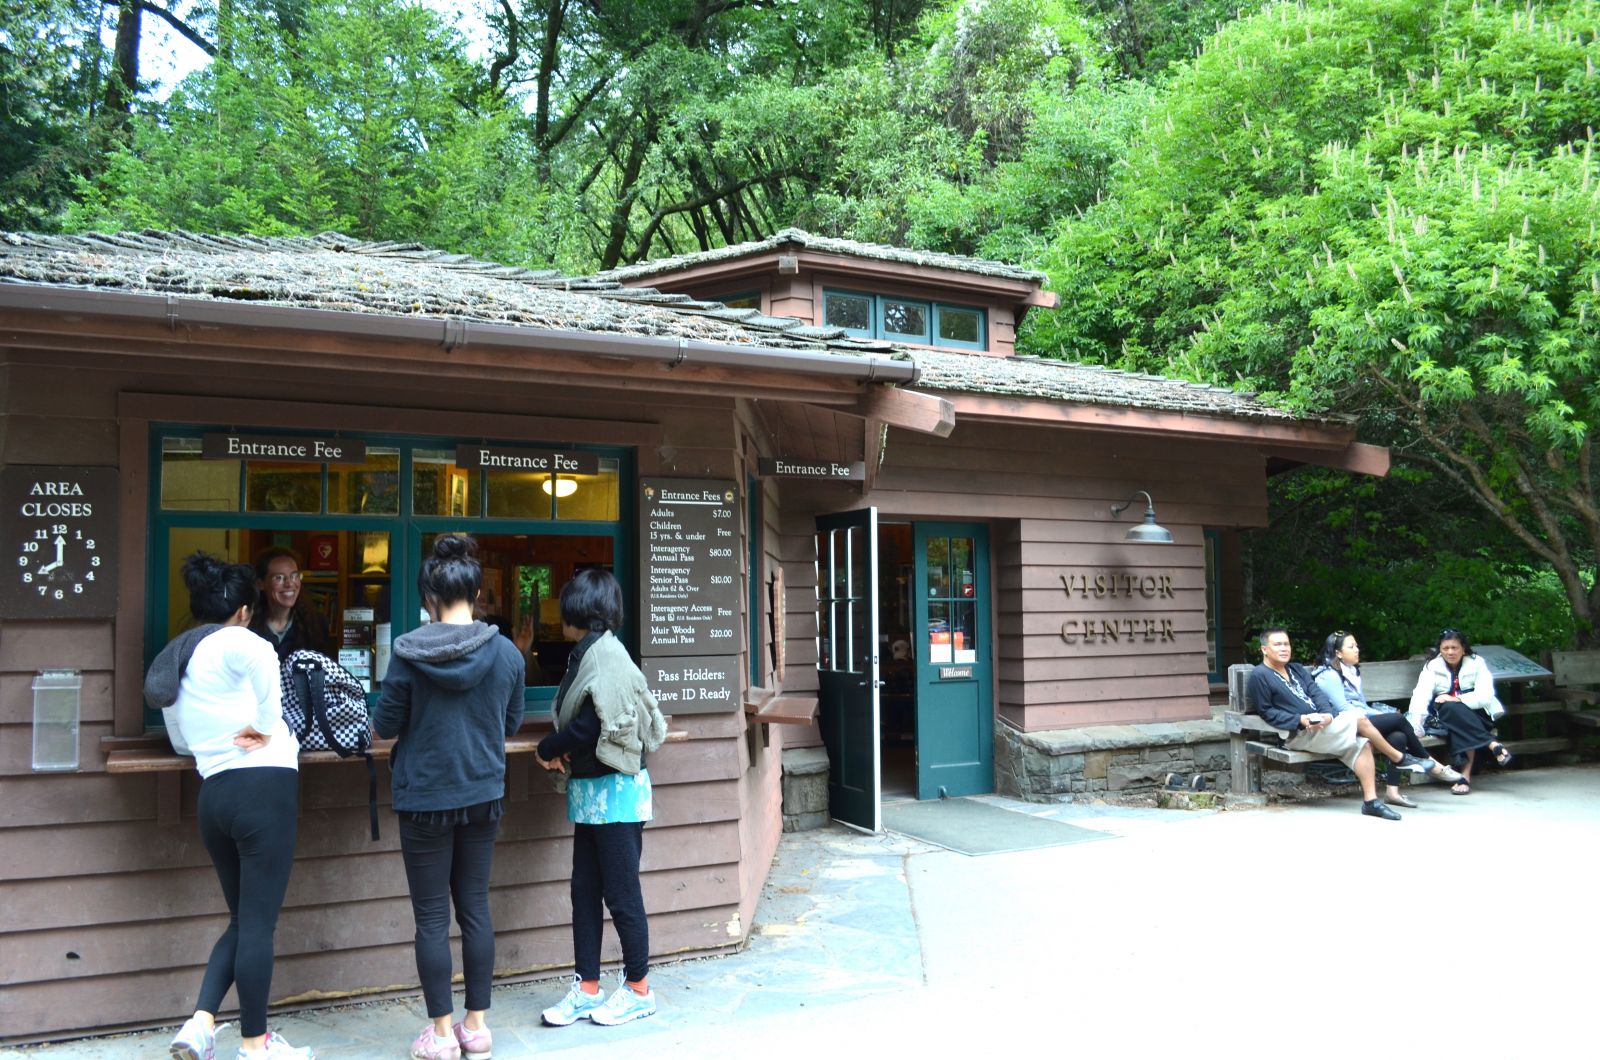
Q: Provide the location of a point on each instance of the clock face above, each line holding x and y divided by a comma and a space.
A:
57, 529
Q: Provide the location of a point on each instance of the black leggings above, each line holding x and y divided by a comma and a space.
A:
248, 817
446, 862
1396, 728
605, 864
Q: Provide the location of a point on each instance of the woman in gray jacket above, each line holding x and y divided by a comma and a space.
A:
452, 694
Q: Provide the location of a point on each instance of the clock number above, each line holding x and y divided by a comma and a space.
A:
77, 587
22, 561
39, 535
90, 576
30, 546
58, 528
60, 595
89, 544
94, 561
27, 577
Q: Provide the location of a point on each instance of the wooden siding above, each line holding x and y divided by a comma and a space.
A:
111, 901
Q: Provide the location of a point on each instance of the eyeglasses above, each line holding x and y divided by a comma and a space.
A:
292, 578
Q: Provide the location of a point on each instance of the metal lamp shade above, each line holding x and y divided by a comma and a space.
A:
1149, 532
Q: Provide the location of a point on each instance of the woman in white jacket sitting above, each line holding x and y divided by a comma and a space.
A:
1456, 688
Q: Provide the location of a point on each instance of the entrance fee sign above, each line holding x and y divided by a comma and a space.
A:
59, 525
693, 684
689, 537
284, 448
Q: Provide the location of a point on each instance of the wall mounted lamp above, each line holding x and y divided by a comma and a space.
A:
563, 487
1147, 532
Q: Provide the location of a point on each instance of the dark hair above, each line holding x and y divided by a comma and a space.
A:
452, 574
265, 557
1269, 631
592, 600
1451, 634
1331, 646
217, 589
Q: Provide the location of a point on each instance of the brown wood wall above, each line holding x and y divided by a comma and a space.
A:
111, 904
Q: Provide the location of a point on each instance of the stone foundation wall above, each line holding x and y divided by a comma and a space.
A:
805, 788
1102, 759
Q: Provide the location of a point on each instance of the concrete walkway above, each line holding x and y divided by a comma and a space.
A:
1260, 933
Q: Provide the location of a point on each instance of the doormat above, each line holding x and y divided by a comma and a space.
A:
969, 827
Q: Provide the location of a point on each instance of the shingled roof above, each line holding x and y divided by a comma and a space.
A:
796, 237
335, 272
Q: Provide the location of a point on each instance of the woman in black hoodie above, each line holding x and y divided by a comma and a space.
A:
452, 694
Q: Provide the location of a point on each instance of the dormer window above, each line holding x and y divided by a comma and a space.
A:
896, 319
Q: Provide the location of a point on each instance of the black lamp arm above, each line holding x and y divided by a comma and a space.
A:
1149, 505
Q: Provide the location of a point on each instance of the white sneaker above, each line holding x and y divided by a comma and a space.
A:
196, 1041
278, 1049
575, 1006
624, 1006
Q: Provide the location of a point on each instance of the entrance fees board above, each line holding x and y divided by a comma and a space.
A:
689, 532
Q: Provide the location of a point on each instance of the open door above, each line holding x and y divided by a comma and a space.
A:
847, 663
955, 721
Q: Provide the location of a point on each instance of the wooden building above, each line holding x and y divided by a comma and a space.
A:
803, 510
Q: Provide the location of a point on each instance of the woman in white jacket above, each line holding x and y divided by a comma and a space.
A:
1457, 689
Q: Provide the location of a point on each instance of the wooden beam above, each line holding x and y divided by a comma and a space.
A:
1044, 412
1359, 457
910, 409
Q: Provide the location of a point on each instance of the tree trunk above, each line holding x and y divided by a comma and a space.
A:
123, 85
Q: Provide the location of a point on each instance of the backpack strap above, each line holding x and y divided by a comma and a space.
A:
303, 690
319, 706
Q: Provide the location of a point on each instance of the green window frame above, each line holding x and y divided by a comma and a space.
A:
404, 528
1217, 670
897, 319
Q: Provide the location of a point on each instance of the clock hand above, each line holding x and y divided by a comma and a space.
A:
61, 544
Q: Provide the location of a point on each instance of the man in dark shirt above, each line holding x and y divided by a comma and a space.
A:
1287, 698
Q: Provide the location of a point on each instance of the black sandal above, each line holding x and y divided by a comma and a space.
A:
1502, 755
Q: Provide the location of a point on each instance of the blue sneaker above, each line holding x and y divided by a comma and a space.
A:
624, 1006
575, 1006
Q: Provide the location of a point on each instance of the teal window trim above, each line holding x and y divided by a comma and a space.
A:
933, 309
405, 534
753, 505
1217, 674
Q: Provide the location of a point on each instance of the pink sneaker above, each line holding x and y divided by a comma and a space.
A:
430, 1046
475, 1045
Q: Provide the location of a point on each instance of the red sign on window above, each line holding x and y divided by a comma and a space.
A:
322, 552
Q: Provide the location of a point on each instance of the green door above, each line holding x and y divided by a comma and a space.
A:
847, 663
955, 722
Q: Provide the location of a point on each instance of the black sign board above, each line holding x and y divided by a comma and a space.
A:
59, 528
501, 458
694, 684
817, 470
688, 534
294, 448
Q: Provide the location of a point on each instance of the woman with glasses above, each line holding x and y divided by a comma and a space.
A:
1339, 675
1455, 697
279, 616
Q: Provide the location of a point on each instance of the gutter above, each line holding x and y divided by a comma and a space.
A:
450, 333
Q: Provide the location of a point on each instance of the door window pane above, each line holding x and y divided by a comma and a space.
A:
905, 320
272, 486
860, 631
961, 567
824, 601
939, 567
852, 312
963, 632
939, 646
372, 488
191, 483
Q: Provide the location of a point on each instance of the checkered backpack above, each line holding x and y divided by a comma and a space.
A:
326, 709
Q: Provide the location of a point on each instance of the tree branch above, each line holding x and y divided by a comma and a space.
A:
185, 30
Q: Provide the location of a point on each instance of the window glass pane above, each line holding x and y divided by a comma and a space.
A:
519, 495
523, 575
742, 300
438, 487
961, 567
960, 325
938, 567
273, 486
192, 484
939, 648
860, 638
587, 496
824, 601
905, 319
372, 488
963, 632
851, 311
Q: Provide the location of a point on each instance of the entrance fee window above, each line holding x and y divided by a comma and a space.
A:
344, 542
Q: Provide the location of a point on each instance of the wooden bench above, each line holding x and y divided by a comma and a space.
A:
1577, 687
